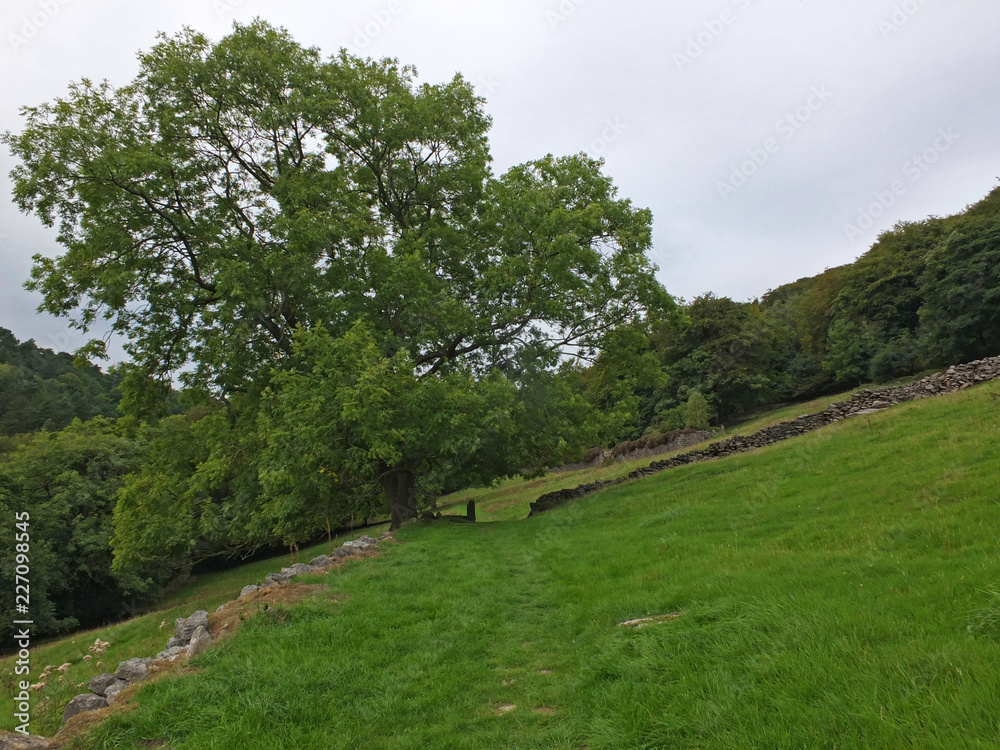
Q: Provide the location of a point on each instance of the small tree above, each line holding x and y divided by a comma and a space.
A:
696, 412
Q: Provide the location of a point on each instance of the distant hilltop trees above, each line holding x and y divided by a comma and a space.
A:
45, 390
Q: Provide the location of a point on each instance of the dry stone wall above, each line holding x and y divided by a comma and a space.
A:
954, 379
191, 636
682, 439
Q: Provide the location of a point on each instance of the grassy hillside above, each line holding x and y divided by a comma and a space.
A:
142, 635
841, 590
512, 498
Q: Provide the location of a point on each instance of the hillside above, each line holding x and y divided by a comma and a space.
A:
836, 590
45, 390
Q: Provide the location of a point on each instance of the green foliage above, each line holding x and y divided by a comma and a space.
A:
849, 352
43, 390
333, 428
625, 375
731, 352
882, 288
804, 307
961, 288
898, 358
67, 481
671, 419
177, 507
696, 415
260, 200
922, 296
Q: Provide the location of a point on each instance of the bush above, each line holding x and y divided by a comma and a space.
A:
672, 419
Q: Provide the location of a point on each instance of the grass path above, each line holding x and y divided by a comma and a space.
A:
838, 591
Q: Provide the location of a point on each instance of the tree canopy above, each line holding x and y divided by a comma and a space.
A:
67, 481
290, 234
729, 352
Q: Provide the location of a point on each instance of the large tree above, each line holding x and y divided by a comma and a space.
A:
240, 203
961, 290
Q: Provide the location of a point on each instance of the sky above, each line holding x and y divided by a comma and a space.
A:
771, 139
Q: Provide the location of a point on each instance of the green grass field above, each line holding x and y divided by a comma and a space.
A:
840, 590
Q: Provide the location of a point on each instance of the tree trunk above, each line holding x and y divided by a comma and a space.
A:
399, 488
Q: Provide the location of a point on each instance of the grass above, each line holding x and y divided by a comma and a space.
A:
510, 500
838, 590
770, 417
143, 635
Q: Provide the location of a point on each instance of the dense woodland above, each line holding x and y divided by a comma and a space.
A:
44, 390
335, 310
926, 295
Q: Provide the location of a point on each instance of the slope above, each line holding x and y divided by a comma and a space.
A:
837, 590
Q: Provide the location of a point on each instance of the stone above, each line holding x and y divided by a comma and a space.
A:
99, 683
81, 703
339, 554
175, 641
185, 627
277, 578
114, 689
23, 742
247, 590
356, 546
200, 642
322, 561
133, 670
297, 569
172, 652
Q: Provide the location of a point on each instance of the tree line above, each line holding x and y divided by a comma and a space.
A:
44, 390
926, 295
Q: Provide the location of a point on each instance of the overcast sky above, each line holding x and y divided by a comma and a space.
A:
771, 139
